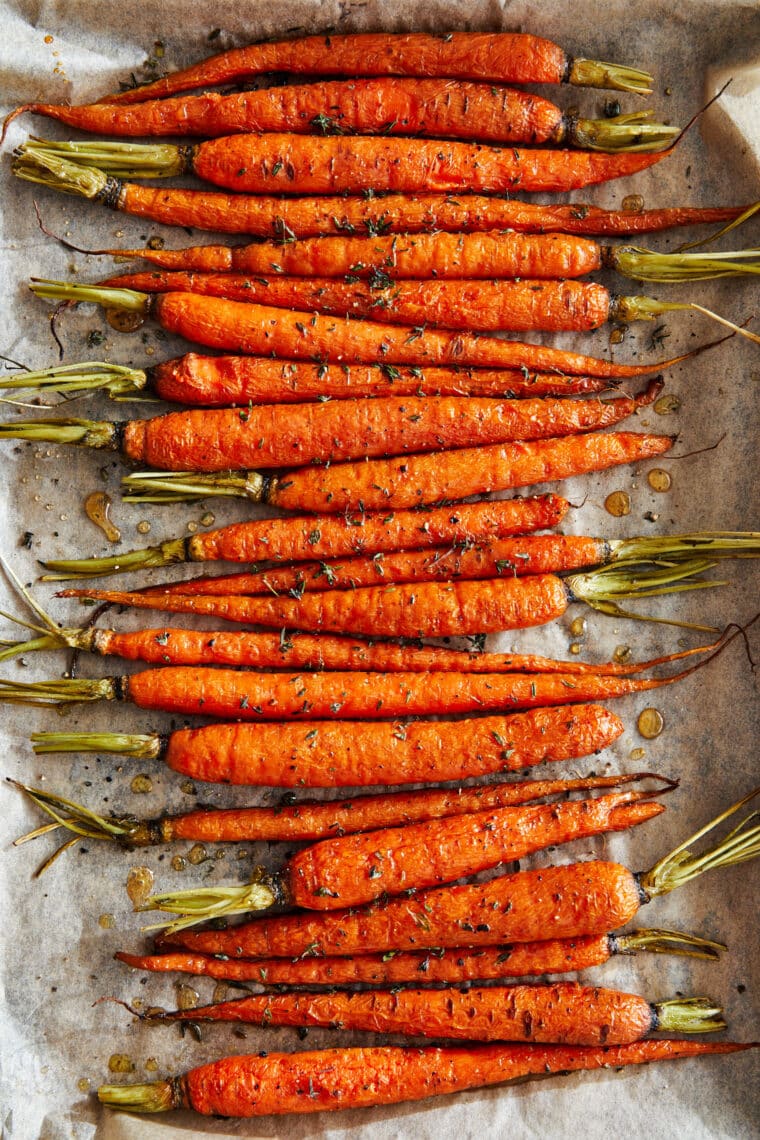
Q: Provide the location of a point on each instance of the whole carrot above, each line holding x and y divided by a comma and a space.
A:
390, 258
427, 107
471, 305
569, 901
339, 754
326, 696
332, 536
264, 330
355, 869
564, 1013
364, 1077
551, 956
463, 608
272, 435
299, 164
284, 218
307, 820
221, 381
502, 57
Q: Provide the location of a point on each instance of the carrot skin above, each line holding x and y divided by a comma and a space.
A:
354, 869
217, 439
433, 255
481, 306
292, 164
312, 820
427, 609
510, 557
262, 330
492, 58
431, 107
569, 901
564, 1013
396, 213
349, 753
331, 1079
556, 956
325, 696
222, 381
298, 539
418, 479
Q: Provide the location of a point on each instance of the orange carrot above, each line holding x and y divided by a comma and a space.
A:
564, 902
564, 1013
356, 869
271, 435
263, 330
317, 696
332, 536
300, 164
463, 608
347, 753
551, 956
221, 381
491, 57
310, 820
482, 306
397, 256
331, 1079
428, 107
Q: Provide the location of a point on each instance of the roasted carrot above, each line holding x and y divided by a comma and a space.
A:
221, 381
463, 608
551, 956
389, 259
339, 754
265, 330
283, 218
307, 820
364, 1077
355, 869
428, 107
569, 901
564, 1013
317, 696
492, 57
470, 305
273, 435
332, 536
299, 164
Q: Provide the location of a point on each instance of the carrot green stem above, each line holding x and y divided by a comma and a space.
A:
157, 1096
90, 376
680, 547
100, 434
166, 554
63, 692
743, 217
202, 903
680, 866
187, 486
128, 299
69, 177
658, 941
645, 265
599, 588
633, 132
611, 76
123, 160
146, 746
689, 1015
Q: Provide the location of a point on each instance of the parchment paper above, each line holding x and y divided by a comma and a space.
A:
56, 958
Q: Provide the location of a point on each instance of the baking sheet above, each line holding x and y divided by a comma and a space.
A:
56, 958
